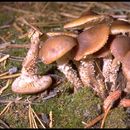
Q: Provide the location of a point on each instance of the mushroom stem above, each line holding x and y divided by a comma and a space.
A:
29, 82
113, 74
87, 75
32, 55
70, 74
86, 70
106, 69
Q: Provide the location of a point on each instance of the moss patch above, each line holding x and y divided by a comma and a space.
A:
69, 110
116, 118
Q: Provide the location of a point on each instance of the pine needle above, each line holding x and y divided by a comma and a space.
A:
4, 58
50, 123
6, 86
10, 76
6, 108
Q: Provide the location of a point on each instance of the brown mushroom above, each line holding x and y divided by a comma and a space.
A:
119, 47
59, 49
120, 26
126, 70
90, 41
87, 19
106, 55
29, 82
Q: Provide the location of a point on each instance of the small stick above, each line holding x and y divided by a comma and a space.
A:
6, 86
7, 45
23, 11
61, 33
38, 118
10, 76
32, 119
68, 15
94, 121
29, 114
4, 74
10, 71
6, 108
50, 123
105, 115
4, 58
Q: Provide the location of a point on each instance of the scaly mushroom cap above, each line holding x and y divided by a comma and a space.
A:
87, 17
92, 40
120, 26
120, 46
31, 84
55, 47
126, 66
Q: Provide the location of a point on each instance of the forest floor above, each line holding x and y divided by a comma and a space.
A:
57, 107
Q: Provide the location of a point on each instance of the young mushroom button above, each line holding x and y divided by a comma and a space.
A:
29, 82
90, 41
59, 49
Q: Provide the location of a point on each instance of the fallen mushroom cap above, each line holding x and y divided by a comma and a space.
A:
31, 84
126, 66
55, 47
120, 46
120, 26
92, 40
87, 17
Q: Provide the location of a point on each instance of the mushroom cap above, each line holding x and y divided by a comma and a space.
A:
87, 17
55, 47
126, 66
31, 84
92, 40
120, 46
105, 51
120, 26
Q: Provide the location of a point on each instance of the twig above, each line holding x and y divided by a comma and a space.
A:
50, 123
6, 108
10, 76
4, 26
6, 86
68, 15
31, 26
61, 33
105, 115
23, 11
31, 118
29, 114
9, 45
38, 118
5, 125
4, 57
94, 121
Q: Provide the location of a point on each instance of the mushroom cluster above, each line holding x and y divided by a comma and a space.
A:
100, 51
107, 39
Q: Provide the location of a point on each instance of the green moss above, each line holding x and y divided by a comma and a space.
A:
5, 18
44, 69
116, 118
17, 116
68, 110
